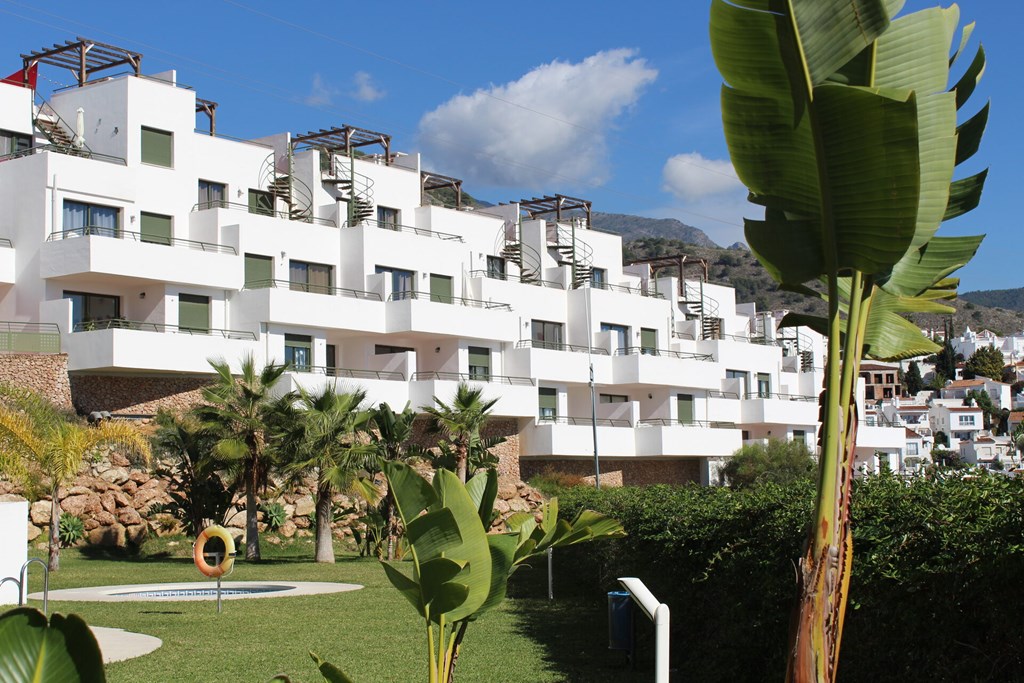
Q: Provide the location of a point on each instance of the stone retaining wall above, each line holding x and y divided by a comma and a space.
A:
137, 395
619, 472
44, 373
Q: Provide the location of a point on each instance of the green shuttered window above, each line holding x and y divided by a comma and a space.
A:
547, 400
157, 147
259, 270
193, 313
440, 288
685, 403
155, 228
479, 362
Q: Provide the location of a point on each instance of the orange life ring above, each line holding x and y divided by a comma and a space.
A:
225, 566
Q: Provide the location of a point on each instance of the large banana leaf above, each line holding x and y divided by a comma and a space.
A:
61, 651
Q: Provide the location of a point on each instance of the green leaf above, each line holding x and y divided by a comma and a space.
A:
331, 673
434, 533
791, 251
922, 268
515, 521
63, 651
744, 45
450, 600
407, 587
965, 195
964, 37
482, 490
817, 323
435, 573
503, 550
832, 33
891, 337
968, 135
411, 492
969, 81
913, 52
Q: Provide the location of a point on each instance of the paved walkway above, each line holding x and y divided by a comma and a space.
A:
118, 644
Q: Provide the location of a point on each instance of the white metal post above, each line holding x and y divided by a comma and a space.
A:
658, 613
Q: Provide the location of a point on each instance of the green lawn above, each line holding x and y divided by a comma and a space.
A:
373, 633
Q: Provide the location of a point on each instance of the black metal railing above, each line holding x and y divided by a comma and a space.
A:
397, 227
262, 211
716, 393
473, 377
879, 421
555, 346
142, 326
648, 351
312, 289
218, 134
117, 233
627, 289
668, 422
508, 277
350, 373
583, 421
446, 299
684, 335
84, 153
18, 337
782, 397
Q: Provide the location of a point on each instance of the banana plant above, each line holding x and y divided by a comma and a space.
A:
458, 570
841, 122
61, 650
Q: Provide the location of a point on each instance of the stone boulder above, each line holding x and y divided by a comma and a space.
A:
136, 533
288, 529
40, 512
115, 475
34, 532
304, 506
113, 536
129, 517
81, 505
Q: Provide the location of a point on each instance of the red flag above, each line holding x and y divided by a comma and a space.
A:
18, 77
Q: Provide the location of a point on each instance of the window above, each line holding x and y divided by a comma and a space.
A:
890, 378
441, 288
89, 308
496, 267
620, 335
547, 400
331, 356
157, 147
310, 277
800, 436
193, 313
480, 363
966, 420
212, 195
742, 377
869, 393
12, 143
259, 270
91, 219
684, 403
911, 448
613, 398
599, 278
401, 283
745, 435
154, 228
387, 218
878, 378
382, 349
298, 351
764, 385
261, 203
648, 341
546, 335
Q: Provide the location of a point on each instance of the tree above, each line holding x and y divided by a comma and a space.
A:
324, 439
913, 380
390, 437
946, 360
461, 421
990, 413
839, 123
1017, 439
240, 414
42, 444
985, 362
778, 461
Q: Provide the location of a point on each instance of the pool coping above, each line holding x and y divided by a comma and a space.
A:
109, 593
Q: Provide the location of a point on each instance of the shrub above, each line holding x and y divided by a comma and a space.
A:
71, 529
551, 481
777, 461
274, 515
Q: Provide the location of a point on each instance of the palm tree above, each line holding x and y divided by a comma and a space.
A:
390, 437
324, 439
41, 443
241, 412
461, 421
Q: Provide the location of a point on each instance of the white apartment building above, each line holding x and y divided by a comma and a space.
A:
150, 246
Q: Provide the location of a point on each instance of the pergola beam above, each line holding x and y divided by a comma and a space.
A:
83, 57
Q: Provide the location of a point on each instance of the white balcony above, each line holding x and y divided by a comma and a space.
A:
787, 409
574, 437
551, 362
380, 387
285, 303
517, 396
637, 365
117, 253
881, 437
6, 262
664, 437
415, 312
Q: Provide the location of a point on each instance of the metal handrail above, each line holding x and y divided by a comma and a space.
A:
312, 289
668, 422
208, 134
350, 373
142, 326
25, 337
117, 233
444, 299
879, 421
647, 351
716, 393
508, 277
555, 346
683, 335
473, 377
237, 206
396, 227
60, 150
583, 421
783, 397
7, 326
627, 289
23, 576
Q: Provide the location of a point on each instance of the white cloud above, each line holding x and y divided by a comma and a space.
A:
321, 94
366, 90
554, 118
693, 177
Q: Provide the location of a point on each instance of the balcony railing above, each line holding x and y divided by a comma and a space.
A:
260, 211
715, 393
396, 227
312, 289
878, 421
445, 299
142, 326
117, 233
582, 421
86, 154
648, 351
29, 337
473, 377
555, 346
627, 289
668, 422
507, 277
782, 397
350, 373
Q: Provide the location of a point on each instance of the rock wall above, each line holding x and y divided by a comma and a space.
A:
136, 395
43, 373
507, 452
619, 472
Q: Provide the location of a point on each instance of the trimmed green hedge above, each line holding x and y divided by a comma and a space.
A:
935, 593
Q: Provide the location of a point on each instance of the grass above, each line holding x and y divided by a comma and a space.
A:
373, 634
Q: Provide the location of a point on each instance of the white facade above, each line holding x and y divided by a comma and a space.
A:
404, 301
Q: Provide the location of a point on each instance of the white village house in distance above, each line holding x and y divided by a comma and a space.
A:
145, 246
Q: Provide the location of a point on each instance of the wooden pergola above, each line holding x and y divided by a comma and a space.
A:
210, 109
557, 204
345, 139
435, 181
678, 262
83, 57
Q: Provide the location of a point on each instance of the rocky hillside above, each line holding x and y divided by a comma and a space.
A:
1010, 299
637, 227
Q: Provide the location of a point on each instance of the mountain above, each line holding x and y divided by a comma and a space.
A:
1012, 299
635, 227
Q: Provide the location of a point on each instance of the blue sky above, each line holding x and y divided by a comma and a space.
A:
617, 104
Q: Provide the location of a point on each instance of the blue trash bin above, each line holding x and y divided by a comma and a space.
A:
620, 621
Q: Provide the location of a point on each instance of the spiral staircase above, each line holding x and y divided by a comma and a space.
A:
284, 186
